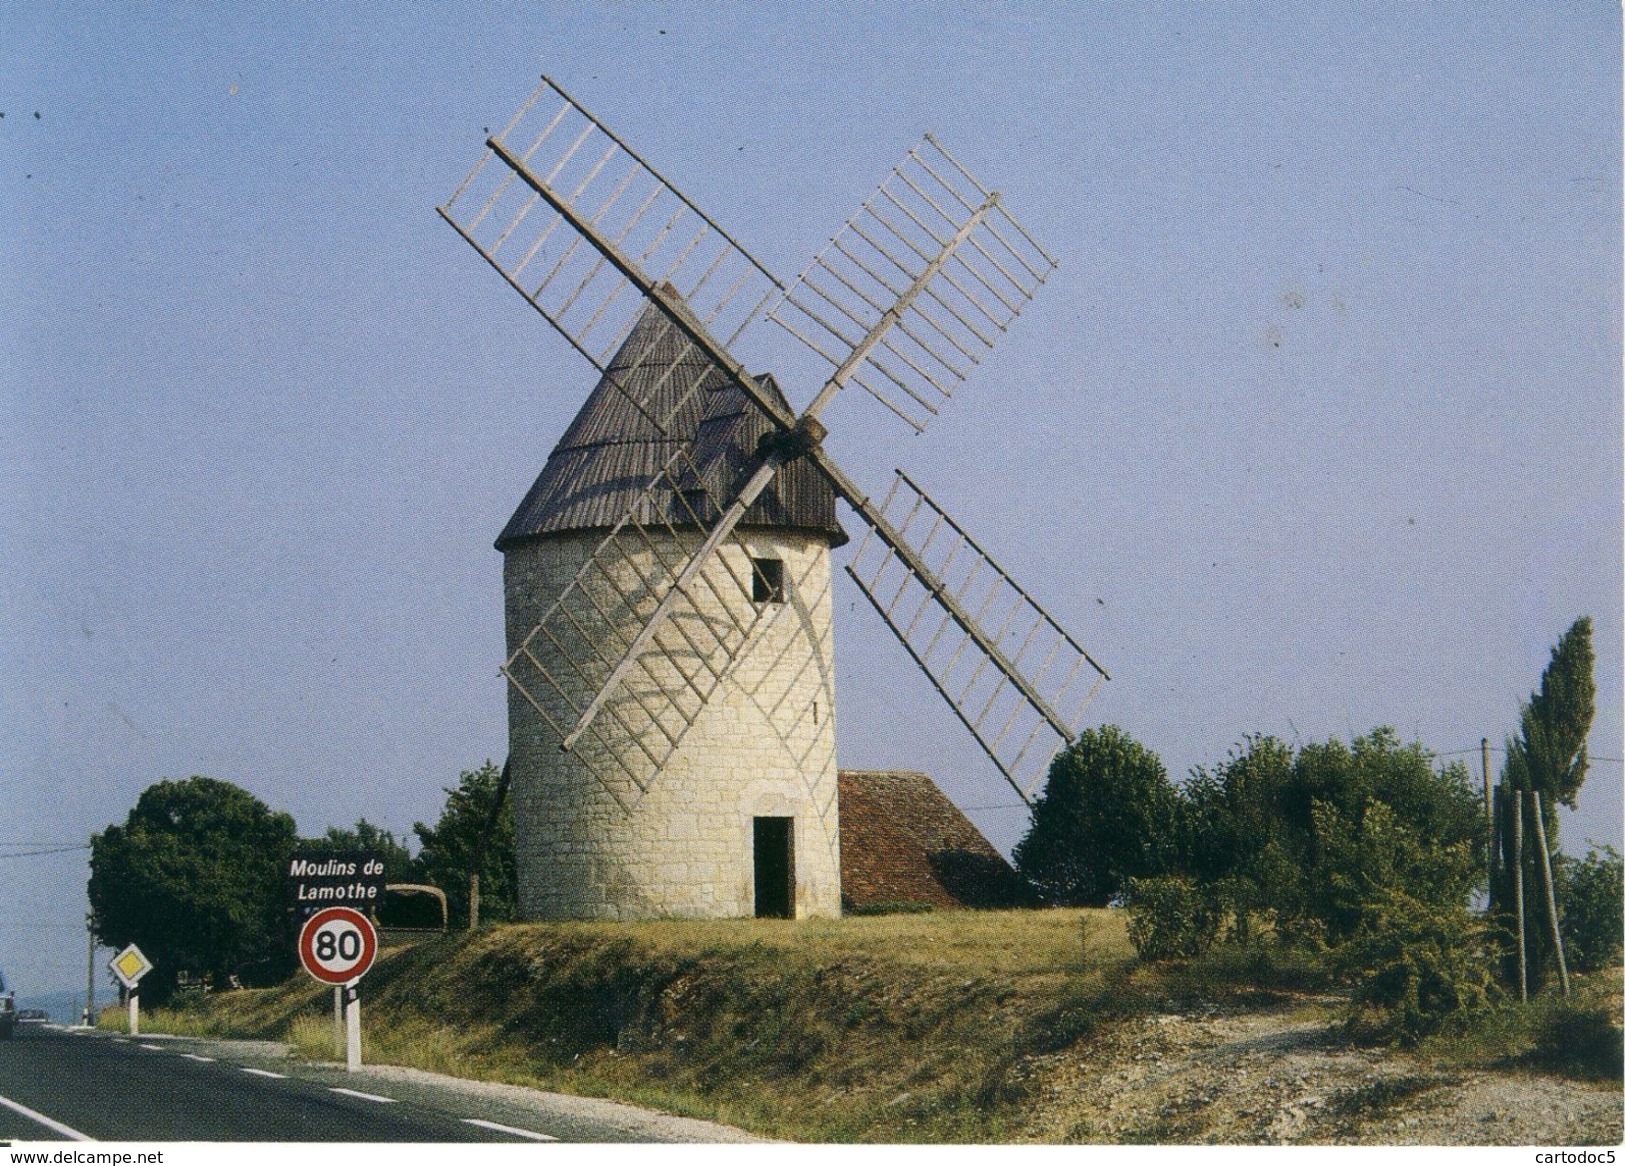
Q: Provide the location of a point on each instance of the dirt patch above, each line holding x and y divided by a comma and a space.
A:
1282, 1076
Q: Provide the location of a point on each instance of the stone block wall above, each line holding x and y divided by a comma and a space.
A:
629, 826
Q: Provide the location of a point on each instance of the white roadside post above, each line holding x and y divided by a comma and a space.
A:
129, 966
337, 946
352, 1026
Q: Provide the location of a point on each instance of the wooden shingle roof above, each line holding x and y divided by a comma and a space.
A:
903, 841
612, 449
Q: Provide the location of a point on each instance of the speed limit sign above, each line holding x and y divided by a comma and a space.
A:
337, 945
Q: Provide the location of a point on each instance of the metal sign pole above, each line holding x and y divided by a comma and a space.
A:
352, 1024
338, 1019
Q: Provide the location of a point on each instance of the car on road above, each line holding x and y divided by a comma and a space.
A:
8, 1009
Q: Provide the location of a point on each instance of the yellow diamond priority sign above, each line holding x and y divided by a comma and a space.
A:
130, 965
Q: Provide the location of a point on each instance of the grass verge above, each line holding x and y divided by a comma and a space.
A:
909, 1027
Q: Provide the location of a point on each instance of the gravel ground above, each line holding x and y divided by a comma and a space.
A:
1278, 1078
1273, 1077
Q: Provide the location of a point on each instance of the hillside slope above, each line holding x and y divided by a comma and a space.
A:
968, 1026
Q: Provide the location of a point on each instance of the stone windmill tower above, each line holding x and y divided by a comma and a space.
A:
743, 819
671, 716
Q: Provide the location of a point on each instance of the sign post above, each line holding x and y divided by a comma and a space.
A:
129, 966
337, 946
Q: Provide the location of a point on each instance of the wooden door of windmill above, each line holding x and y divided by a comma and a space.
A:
775, 863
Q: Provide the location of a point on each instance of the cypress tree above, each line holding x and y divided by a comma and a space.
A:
1548, 757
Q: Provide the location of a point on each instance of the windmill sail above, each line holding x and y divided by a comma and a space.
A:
573, 219
1011, 674
905, 300
932, 226
930, 276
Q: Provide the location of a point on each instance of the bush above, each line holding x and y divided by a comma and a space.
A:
1285, 829
1170, 918
1416, 967
1593, 900
1581, 1041
1108, 813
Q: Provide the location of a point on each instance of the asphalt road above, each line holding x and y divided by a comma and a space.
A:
58, 1084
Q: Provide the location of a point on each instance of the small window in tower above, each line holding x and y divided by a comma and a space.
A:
767, 580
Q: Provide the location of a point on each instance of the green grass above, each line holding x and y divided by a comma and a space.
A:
906, 1027
1581, 1037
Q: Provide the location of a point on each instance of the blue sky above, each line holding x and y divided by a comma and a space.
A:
1317, 426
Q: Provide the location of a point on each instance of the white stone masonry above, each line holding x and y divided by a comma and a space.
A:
590, 843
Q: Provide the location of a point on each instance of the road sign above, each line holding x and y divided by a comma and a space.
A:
337, 945
130, 965
352, 878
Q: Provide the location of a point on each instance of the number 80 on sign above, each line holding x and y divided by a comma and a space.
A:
337, 945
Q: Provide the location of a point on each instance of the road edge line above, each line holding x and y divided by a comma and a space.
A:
502, 1129
363, 1096
48, 1123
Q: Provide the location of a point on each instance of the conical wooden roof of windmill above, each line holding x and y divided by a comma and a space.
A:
614, 447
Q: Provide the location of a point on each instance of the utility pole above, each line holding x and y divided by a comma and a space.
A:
90, 968
1517, 893
1489, 813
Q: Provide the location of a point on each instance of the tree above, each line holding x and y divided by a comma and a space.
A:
1267, 827
1593, 909
1549, 755
1237, 839
1545, 764
196, 877
399, 864
1108, 813
449, 847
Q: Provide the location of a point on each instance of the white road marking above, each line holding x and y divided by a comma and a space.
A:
196, 1057
515, 1130
363, 1096
265, 1073
118, 1040
154, 1048
55, 1126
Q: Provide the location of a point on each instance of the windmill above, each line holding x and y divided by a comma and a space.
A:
652, 624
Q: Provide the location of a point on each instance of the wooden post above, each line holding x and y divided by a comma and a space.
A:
1517, 894
90, 973
1489, 813
1551, 894
1497, 815
474, 900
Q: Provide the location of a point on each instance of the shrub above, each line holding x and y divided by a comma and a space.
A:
1290, 823
1593, 899
1108, 813
1416, 966
1579, 1040
1170, 918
